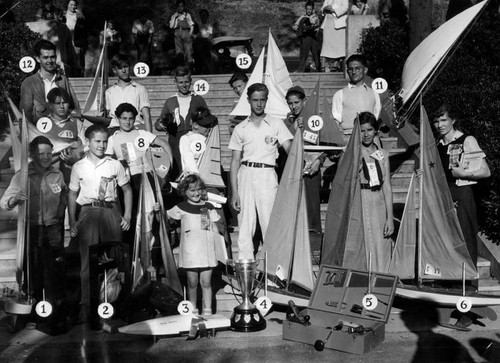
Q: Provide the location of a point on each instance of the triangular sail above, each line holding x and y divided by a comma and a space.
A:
16, 145
404, 252
442, 242
209, 164
167, 255
344, 242
330, 134
23, 208
311, 108
276, 78
430, 53
287, 239
144, 238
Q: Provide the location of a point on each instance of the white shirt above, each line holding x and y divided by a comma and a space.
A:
132, 93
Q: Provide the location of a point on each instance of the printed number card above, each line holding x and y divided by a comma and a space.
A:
379, 85
185, 307
141, 70
43, 308
44, 124
201, 87
27, 64
243, 61
105, 310
263, 304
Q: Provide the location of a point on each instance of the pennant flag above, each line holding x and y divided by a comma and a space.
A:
16, 145
330, 134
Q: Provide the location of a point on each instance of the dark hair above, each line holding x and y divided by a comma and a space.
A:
445, 108
369, 118
356, 58
296, 91
309, 3
67, 3
203, 117
118, 60
45, 45
95, 129
58, 92
182, 71
39, 140
178, 2
257, 87
125, 107
238, 76
187, 181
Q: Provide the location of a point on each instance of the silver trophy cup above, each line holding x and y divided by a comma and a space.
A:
246, 317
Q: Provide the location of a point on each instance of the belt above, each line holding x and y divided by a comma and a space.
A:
256, 165
373, 189
181, 28
99, 204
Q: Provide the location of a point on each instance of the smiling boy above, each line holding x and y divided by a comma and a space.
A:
180, 107
94, 182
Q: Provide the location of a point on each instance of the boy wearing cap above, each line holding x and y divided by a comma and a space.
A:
357, 97
94, 182
254, 182
46, 205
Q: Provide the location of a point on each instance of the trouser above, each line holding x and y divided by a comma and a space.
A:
95, 225
309, 44
184, 44
257, 188
465, 205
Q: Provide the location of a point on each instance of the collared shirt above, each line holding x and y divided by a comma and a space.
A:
124, 146
132, 93
470, 142
259, 144
47, 195
48, 84
97, 182
352, 100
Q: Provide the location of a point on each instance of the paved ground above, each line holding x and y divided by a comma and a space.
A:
400, 345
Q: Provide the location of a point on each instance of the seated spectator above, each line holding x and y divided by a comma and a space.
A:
360, 7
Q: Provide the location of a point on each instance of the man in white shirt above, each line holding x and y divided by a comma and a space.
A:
183, 26
356, 97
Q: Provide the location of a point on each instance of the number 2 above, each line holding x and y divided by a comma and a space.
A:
105, 310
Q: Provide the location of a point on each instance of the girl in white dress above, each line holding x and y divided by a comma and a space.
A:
198, 233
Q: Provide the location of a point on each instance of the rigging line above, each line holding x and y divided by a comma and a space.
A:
9, 9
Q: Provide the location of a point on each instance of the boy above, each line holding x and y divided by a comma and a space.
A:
64, 128
357, 97
254, 183
238, 82
126, 90
47, 202
307, 30
93, 186
180, 107
35, 87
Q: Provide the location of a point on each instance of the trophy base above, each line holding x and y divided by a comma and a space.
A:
247, 320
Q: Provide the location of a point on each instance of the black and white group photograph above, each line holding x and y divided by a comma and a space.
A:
250, 181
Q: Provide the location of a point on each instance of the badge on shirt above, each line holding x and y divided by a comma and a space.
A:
56, 188
128, 152
177, 116
66, 134
271, 140
372, 172
454, 150
378, 155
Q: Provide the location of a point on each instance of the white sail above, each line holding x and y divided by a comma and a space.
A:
425, 59
275, 77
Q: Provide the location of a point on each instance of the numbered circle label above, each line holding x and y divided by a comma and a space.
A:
185, 307
263, 304
464, 304
141, 70
201, 87
105, 310
44, 124
198, 147
27, 64
315, 123
141, 144
43, 309
370, 302
243, 61
379, 85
